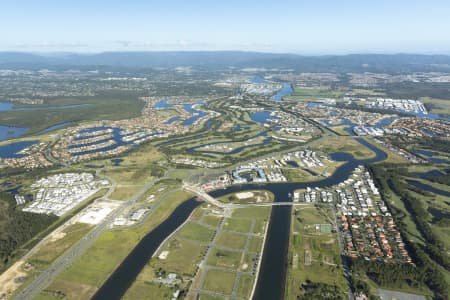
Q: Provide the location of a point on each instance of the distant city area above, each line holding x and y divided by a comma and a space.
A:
224, 175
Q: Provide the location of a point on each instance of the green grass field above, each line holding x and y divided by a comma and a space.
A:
324, 263
302, 93
183, 258
231, 240
194, 231
147, 290
240, 225
98, 262
53, 249
219, 281
344, 144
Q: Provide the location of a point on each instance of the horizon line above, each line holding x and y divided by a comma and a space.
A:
60, 52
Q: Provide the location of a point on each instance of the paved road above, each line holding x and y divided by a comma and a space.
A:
211, 200
203, 266
347, 269
244, 252
61, 263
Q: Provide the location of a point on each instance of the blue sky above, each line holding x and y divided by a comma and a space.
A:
306, 27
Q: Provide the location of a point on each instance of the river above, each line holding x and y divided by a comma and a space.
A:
272, 275
123, 277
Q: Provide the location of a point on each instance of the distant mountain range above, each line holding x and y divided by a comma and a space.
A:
214, 60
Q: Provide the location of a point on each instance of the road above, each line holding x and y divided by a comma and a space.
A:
211, 200
61, 263
203, 267
347, 269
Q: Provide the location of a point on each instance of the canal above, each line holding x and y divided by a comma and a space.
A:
124, 276
272, 275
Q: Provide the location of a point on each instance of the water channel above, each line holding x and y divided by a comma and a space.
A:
124, 276
271, 280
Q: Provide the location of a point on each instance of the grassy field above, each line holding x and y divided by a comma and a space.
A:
194, 231
240, 225
147, 290
302, 93
313, 255
340, 130
183, 258
245, 286
219, 281
368, 92
258, 196
344, 144
123, 193
231, 240
53, 249
167, 113
438, 106
226, 134
159, 188
255, 244
224, 258
187, 248
392, 156
211, 220
299, 175
98, 262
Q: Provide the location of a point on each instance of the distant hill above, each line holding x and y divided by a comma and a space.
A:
395, 63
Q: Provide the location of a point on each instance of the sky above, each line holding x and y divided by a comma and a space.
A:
311, 27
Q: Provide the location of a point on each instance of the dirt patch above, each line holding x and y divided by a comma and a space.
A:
306, 244
329, 242
11, 279
56, 236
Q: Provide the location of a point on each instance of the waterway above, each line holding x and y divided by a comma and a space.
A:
429, 174
123, 277
171, 120
428, 188
11, 132
438, 214
430, 155
260, 117
350, 125
286, 90
117, 137
162, 104
272, 275
54, 127
271, 279
196, 114
11, 150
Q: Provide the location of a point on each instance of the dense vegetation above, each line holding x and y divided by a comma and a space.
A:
320, 291
105, 107
415, 90
17, 227
431, 143
427, 257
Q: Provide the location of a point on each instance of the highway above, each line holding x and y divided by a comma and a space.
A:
61, 263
